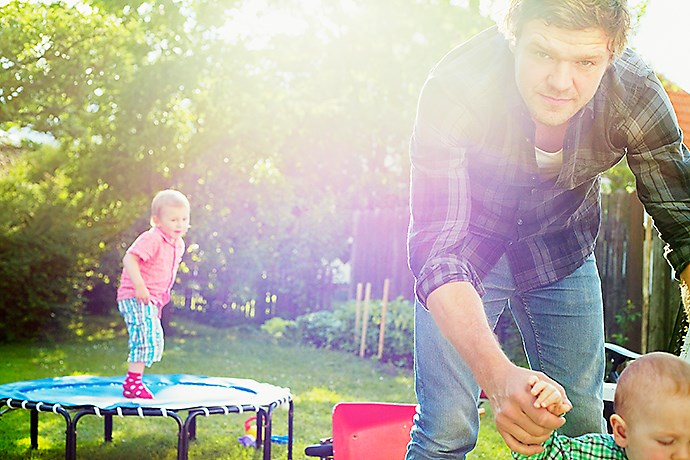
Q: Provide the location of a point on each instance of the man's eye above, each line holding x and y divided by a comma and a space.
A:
542, 55
587, 63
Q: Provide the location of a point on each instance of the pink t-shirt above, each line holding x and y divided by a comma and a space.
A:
160, 257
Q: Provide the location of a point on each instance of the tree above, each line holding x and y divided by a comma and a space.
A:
276, 131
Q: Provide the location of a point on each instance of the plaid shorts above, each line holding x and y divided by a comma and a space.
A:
146, 340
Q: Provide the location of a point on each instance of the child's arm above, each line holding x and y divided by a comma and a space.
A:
548, 396
131, 265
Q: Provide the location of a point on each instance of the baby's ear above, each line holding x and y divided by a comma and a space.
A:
620, 431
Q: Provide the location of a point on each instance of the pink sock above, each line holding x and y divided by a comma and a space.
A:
133, 387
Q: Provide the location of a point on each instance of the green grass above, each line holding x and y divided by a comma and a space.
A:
317, 378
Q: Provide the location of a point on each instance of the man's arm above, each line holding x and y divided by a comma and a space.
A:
457, 309
661, 164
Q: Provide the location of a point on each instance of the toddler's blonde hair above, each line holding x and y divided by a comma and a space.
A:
166, 198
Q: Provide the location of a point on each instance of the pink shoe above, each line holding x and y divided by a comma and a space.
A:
133, 387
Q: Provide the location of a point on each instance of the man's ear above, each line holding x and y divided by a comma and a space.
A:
620, 430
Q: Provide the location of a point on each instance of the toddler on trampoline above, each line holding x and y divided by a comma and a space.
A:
651, 420
149, 270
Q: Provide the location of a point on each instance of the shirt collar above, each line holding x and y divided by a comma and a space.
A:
171, 241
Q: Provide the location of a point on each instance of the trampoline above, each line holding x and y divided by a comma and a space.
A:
74, 397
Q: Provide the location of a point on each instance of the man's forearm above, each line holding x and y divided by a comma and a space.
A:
459, 313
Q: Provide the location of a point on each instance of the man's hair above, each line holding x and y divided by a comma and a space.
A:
612, 16
167, 198
652, 375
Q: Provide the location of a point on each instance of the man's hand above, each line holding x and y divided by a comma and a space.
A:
522, 426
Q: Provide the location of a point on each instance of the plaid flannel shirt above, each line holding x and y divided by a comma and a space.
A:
477, 191
588, 447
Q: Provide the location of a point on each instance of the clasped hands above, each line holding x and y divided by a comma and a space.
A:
528, 406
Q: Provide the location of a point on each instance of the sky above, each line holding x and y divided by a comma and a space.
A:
662, 39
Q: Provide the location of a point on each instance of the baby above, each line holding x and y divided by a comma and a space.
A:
651, 420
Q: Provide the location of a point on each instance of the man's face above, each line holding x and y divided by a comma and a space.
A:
557, 71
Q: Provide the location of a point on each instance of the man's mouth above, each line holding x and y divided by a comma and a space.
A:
556, 100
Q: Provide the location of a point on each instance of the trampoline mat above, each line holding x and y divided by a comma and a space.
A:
171, 392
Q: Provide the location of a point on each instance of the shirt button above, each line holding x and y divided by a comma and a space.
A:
519, 222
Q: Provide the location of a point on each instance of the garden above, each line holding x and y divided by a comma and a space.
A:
317, 377
281, 123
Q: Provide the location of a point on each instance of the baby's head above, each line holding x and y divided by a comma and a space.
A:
652, 408
170, 212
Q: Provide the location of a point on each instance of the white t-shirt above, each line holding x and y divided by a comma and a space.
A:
549, 162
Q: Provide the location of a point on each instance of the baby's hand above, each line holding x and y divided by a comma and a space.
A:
548, 397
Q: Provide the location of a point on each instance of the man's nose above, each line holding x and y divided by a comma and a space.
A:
561, 76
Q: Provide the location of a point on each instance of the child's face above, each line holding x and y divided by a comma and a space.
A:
173, 221
660, 430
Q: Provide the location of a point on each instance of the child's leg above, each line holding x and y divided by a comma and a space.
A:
136, 368
145, 344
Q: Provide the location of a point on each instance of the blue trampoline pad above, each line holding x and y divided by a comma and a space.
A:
172, 392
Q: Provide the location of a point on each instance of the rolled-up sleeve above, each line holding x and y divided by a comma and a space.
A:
440, 193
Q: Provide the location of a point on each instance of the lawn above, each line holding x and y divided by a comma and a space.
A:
317, 378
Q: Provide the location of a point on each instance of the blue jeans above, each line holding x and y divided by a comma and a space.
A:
562, 329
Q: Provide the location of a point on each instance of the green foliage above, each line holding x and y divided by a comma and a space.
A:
41, 234
620, 177
279, 328
625, 319
336, 330
276, 132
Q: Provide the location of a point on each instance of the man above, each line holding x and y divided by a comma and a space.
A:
512, 133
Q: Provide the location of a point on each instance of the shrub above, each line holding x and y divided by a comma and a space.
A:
336, 330
279, 328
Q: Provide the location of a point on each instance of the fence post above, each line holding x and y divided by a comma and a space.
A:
365, 320
358, 305
384, 304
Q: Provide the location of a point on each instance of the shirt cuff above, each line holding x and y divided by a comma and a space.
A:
439, 272
678, 259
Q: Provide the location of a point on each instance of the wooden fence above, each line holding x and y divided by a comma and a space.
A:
641, 300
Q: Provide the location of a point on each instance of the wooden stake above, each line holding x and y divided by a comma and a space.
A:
384, 305
358, 305
365, 320
646, 265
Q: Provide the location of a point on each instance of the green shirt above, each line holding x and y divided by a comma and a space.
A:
593, 446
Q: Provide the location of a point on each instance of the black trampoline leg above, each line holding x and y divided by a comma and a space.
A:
267, 434
192, 429
33, 428
108, 428
291, 410
259, 428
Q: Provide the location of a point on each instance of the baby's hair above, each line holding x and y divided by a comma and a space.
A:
165, 198
657, 374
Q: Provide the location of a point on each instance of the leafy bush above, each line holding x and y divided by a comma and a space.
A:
279, 328
336, 330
